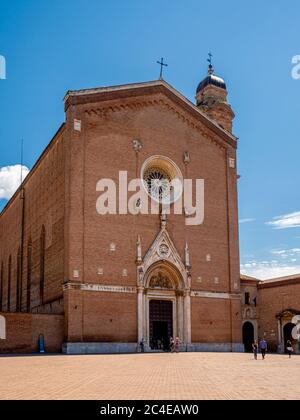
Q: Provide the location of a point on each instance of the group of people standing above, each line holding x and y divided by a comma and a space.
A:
174, 345
263, 347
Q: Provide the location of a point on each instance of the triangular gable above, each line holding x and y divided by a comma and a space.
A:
108, 93
163, 249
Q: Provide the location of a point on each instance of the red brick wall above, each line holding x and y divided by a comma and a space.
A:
216, 321
101, 317
23, 330
44, 206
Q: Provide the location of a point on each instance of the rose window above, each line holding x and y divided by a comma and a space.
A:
162, 179
157, 182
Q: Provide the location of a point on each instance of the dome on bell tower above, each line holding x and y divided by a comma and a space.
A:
211, 99
211, 79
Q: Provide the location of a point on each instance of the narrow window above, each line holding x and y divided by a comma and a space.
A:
247, 298
8, 284
42, 265
1, 286
29, 271
18, 285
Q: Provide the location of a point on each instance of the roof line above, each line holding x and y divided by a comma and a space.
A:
115, 88
32, 170
294, 277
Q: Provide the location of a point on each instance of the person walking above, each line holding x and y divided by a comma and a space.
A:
289, 348
255, 349
172, 347
142, 345
263, 348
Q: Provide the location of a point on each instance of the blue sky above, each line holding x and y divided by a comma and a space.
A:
53, 46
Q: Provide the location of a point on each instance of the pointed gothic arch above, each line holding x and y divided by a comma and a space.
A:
163, 275
164, 252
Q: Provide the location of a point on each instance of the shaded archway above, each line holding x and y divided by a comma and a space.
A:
248, 336
160, 324
287, 334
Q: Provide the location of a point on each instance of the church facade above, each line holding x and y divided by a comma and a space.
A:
82, 273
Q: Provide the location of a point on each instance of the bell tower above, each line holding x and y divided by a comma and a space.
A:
211, 98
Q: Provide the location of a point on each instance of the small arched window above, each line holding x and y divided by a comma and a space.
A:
247, 298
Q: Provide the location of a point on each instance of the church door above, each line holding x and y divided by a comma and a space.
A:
287, 332
160, 324
248, 336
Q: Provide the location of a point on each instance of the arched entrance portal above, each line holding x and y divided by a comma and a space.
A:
163, 306
248, 336
287, 334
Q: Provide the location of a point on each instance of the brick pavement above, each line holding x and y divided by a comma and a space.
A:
150, 376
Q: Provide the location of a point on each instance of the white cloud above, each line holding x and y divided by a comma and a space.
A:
286, 253
267, 270
291, 220
10, 177
285, 263
249, 220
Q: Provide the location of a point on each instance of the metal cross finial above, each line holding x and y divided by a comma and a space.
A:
162, 65
210, 58
210, 67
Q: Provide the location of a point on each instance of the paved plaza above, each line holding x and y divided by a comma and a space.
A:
150, 376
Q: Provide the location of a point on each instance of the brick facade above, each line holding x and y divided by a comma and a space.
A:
32, 228
56, 253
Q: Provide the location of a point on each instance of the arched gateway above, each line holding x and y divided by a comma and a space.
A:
248, 336
163, 281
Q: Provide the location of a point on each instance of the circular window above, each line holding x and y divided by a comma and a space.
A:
162, 179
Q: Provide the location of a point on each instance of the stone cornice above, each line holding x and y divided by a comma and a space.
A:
215, 295
106, 288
